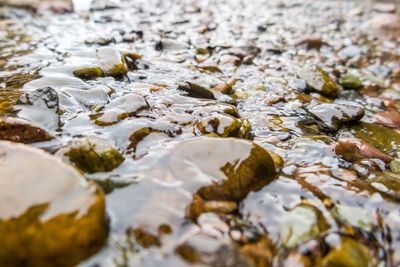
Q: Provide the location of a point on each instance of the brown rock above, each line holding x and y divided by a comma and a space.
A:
385, 25
389, 118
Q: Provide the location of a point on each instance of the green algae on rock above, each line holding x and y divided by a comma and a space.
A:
350, 82
52, 217
22, 131
385, 139
353, 149
349, 253
89, 73
319, 81
92, 155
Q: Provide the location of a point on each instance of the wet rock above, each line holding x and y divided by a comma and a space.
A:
52, 217
22, 131
90, 98
210, 69
121, 108
140, 134
17, 81
41, 107
131, 60
191, 8
58, 6
250, 174
92, 155
353, 149
89, 73
350, 82
395, 166
31, 5
319, 81
354, 215
385, 7
224, 126
199, 206
259, 253
294, 222
351, 51
220, 169
111, 61
104, 4
224, 88
100, 40
311, 43
388, 182
389, 118
300, 224
348, 252
195, 90
331, 117
217, 252
385, 139
385, 25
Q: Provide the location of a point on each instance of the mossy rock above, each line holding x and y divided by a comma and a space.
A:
349, 253
89, 73
111, 62
52, 217
385, 139
138, 136
91, 156
224, 125
319, 81
22, 131
242, 175
390, 180
350, 82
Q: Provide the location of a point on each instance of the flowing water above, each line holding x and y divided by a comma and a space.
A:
170, 107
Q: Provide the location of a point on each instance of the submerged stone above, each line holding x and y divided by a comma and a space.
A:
385, 25
111, 61
92, 155
89, 73
22, 131
319, 81
332, 117
217, 171
349, 253
353, 149
121, 108
224, 125
195, 90
312, 43
389, 118
52, 217
349, 81
42, 107
385, 139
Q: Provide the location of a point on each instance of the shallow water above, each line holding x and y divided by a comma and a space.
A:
253, 62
